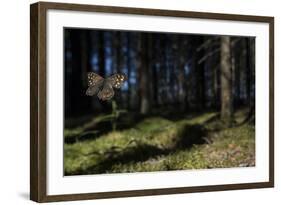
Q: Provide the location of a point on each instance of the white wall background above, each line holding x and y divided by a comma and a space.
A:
14, 101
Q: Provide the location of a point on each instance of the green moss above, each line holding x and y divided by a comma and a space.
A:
159, 144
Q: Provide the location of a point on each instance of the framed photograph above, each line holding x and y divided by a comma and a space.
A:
135, 102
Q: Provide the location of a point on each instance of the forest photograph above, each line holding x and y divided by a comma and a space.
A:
138, 101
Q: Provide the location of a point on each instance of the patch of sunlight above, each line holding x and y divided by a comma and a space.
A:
202, 118
156, 138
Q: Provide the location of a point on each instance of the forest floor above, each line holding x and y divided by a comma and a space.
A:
159, 144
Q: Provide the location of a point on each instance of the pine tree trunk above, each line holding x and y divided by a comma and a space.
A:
248, 71
128, 62
86, 50
101, 51
144, 75
76, 74
181, 73
238, 67
226, 81
117, 44
200, 76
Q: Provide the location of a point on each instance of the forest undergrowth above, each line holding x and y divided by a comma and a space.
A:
161, 143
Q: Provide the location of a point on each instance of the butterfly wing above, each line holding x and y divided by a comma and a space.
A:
117, 80
107, 91
94, 83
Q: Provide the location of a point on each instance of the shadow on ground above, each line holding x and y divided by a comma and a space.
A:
186, 137
95, 130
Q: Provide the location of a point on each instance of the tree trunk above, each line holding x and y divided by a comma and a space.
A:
152, 73
118, 52
181, 73
144, 75
248, 71
86, 50
76, 74
200, 75
238, 67
128, 62
156, 70
155, 85
250, 77
226, 81
101, 50
233, 69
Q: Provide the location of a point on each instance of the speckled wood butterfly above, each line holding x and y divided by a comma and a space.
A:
103, 87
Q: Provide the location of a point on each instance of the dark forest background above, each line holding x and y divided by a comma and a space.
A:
187, 72
169, 75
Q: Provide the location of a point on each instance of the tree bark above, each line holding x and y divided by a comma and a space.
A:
199, 75
128, 62
182, 43
248, 71
76, 73
238, 67
118, 52
144, 75
86, 50
226, 81
101, 51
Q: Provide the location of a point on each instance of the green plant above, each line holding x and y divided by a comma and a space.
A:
115, 113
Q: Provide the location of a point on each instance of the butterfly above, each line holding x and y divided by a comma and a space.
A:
103, 87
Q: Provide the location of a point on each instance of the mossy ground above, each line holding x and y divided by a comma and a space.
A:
160, 144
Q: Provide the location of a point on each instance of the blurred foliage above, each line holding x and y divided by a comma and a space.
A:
158, 144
